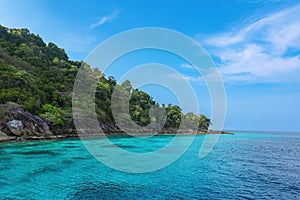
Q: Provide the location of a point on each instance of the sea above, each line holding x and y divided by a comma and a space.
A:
243, 165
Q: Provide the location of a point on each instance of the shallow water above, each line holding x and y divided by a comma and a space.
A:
241, 166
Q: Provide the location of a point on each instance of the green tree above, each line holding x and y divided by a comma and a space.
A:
174, 115
204, 122
52, 114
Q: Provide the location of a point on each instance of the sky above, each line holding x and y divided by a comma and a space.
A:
255, 45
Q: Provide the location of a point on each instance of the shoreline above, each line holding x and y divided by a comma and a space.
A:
19, 125
63, 137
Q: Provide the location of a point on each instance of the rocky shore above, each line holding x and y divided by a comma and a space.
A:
16, 124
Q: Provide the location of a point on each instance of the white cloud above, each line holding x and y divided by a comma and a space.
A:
261, 50
177, 76
104, 19
187, 66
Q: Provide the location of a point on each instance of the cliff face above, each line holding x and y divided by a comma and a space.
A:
18, 124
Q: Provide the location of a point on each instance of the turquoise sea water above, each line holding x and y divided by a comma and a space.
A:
241, 166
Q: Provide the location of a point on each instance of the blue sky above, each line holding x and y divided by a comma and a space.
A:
255, 44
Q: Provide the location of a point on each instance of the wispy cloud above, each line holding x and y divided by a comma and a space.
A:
267, 49
265, 1
104, 19
187, 66
176, 76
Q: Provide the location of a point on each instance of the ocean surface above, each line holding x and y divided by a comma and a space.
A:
241, 166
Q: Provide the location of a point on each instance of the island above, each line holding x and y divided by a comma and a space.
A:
36, 84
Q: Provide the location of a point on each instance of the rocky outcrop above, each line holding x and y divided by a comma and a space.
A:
18, 124
5, 137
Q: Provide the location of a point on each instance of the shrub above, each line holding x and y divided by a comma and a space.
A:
52, 114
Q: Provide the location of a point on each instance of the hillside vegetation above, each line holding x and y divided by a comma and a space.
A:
39, 77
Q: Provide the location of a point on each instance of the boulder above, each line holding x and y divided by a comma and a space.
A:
17, 123
4, 137
16, 127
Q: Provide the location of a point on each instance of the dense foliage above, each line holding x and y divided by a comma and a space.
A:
40, 78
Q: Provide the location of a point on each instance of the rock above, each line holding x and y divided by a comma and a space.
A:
16, 127
46, 128
20, 124
4, 137
17, 124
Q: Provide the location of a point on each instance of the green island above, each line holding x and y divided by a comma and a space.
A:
36, 84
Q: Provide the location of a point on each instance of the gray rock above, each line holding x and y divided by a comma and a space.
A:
46, 128
19, 123
16, 127
4, 137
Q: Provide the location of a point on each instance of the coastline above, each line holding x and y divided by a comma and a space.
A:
63, 137
18, 125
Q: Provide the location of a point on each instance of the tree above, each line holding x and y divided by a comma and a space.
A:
204, 123
174, 115
52, 114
